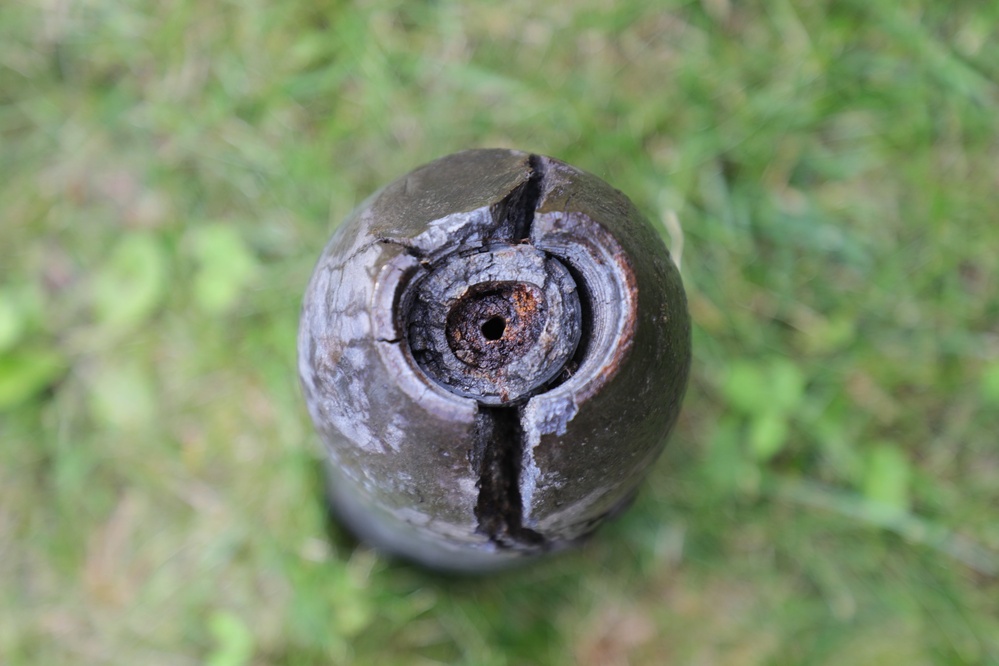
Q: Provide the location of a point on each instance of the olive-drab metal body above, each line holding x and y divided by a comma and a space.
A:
493, 348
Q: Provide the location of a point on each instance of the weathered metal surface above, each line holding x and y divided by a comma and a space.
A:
494, 348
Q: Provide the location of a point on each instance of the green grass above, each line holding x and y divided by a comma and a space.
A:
169, 172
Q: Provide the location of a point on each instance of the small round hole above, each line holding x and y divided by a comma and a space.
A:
493, 328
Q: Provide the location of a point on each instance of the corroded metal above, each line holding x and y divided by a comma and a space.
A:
494, 348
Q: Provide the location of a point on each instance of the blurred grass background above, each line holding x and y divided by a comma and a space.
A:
169, 172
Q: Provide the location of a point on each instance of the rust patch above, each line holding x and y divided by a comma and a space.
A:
495, 323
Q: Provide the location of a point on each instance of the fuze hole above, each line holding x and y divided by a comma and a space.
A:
493, 328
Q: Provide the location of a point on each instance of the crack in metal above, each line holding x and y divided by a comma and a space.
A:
500, 440
499, 444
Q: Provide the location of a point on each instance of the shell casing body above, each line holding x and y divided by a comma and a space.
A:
493, 348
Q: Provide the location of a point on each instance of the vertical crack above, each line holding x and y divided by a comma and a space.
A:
499, 438
530, 197
499, 452
515, 214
